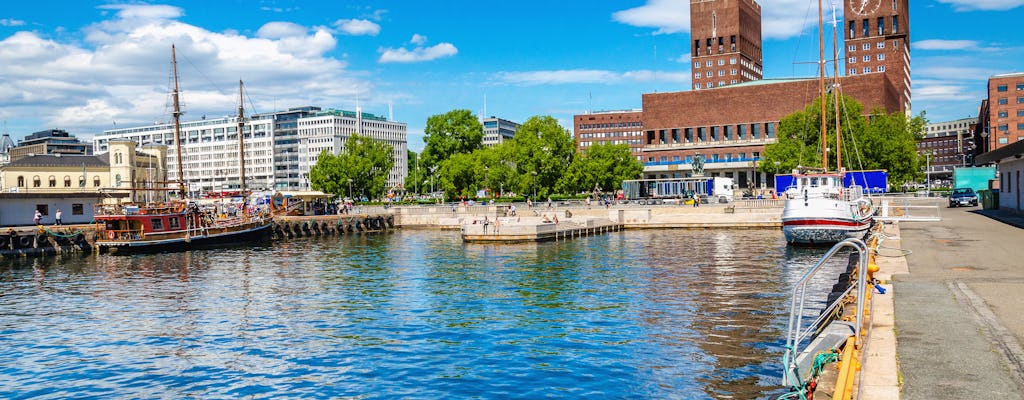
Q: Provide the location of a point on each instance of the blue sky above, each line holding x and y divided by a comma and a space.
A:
83, 66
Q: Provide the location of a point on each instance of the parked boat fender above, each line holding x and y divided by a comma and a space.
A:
391, 221
110, 235
381, 223
41, 240
25, 241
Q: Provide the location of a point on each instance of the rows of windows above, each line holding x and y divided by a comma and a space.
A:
712, 133
711, 45
712, 157
52, 181
610, 125
631, 142
880, 26
610, 134
1003, 88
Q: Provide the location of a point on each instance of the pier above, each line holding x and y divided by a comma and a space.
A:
534, 229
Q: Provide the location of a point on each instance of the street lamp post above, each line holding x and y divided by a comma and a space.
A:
534, 184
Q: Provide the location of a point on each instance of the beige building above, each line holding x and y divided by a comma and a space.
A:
141, 174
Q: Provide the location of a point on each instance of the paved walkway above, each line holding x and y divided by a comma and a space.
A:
960, 310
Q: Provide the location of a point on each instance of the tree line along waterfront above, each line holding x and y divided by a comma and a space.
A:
541, 160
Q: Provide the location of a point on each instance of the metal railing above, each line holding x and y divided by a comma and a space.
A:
795, 335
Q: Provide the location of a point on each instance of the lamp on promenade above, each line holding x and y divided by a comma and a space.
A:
534, 184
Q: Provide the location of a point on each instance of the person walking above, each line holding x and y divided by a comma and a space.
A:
57, 216
38, 217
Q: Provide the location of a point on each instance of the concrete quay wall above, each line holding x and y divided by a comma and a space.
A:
631, 217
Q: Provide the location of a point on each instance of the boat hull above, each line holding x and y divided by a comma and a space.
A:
823, 231
824, 221
253, 235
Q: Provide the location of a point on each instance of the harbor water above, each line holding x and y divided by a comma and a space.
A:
650, 314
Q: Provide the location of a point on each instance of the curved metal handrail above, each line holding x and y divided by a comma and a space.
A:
794, 335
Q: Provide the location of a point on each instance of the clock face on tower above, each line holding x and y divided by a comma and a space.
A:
864, 7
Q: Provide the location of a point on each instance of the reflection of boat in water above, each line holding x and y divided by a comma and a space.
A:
819, 210
180, 224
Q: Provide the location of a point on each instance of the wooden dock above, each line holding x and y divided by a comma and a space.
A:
534, 229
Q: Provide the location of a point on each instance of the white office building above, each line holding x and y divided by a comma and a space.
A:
280, 147
497, 130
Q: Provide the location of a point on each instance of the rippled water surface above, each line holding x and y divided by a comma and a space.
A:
414, 314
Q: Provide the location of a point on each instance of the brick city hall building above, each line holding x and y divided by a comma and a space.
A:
731, 113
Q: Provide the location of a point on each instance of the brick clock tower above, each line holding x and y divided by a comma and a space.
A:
878, 41
726, 44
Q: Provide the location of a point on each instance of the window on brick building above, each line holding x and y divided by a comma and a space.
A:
1020, 99
1003, 114
880, 45
853, 60
853, 30
853, 71
1004, 128
1002, 101
867, 28
696, 65
867, 58
865, 46
867, 70
881, 26
1001, 88
881, 56
853, 48
1020, 113
1020, 86
895, 24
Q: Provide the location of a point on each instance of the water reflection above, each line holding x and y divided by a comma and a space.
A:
638, 314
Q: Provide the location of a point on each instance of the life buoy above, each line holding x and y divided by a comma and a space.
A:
110, 235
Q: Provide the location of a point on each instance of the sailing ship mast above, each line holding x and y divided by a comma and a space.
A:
821, 86
177, 127
241, 149
835, 88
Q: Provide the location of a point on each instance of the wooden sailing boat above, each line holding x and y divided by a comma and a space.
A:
178, 224
818, 208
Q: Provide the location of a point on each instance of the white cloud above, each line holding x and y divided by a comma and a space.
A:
668, 16
780, 19
357, 27
146, 12
402, 55
577, 76
939, 71
280, 30
938, 44
971, 5
418, 39
943, 90
11, 22
121, 71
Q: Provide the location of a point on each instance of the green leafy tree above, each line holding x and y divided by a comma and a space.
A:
887, 142
603, 166
364, 164
542, 151
454, 132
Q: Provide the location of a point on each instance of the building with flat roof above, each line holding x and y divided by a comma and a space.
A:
280, 147
50, 141
498, 130
947, 145
610, 127
1001, 115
